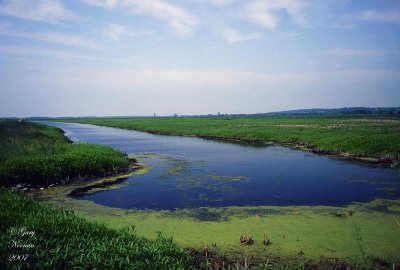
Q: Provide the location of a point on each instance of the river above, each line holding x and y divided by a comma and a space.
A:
191, 172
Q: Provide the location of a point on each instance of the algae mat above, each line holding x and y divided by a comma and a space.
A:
355, 233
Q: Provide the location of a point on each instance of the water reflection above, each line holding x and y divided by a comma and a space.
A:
191, 172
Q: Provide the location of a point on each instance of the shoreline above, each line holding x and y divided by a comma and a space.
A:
88, 185
385, 161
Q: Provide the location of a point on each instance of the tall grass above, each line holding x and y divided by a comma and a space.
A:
62, 240
41, 155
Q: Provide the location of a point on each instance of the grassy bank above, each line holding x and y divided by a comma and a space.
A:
39, 155
375, 138
41, 237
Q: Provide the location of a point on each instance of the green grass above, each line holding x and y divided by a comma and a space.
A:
62, 240
41, 155
364, 137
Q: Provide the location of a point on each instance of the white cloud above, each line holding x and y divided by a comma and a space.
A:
357, 53
390, 16
178, 19
232, 36
219, 3
37, 10
263, 12
181, 21
26, 51
107, 4
63, 39
116, 31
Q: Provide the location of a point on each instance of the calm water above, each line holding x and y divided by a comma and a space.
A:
192, 172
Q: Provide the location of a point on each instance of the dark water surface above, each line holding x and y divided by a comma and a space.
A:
191, 172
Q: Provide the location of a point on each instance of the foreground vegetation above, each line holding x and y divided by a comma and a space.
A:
40, 155
40, 237
36, 236
371, 137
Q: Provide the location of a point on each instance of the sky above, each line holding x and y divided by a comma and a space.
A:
140, 57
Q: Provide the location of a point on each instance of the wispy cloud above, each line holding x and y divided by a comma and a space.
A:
39, 10
26, 51
357, 53
181, 21
219, 3
214, 3
263, 12
232, 36
389, 16
63, 39
107, 4
117, 31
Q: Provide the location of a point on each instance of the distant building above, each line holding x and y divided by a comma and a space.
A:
22, 120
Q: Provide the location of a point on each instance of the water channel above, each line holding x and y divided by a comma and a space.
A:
191, 172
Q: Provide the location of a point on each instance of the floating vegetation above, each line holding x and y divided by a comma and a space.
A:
206, 198
392, 190
339, 215
198, 214
230, 178
246, 239
267, 242
147, 156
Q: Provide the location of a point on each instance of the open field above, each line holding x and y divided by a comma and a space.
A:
41, 155
373, 139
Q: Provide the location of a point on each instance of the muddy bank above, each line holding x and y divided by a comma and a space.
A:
134, 165
88, 185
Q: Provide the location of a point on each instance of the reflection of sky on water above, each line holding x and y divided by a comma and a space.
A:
192, 172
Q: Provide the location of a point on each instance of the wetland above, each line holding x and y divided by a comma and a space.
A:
193, 172
296, 209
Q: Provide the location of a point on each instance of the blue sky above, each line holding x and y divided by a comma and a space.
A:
139, 57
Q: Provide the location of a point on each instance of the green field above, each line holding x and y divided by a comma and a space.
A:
39, 155
374, 138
